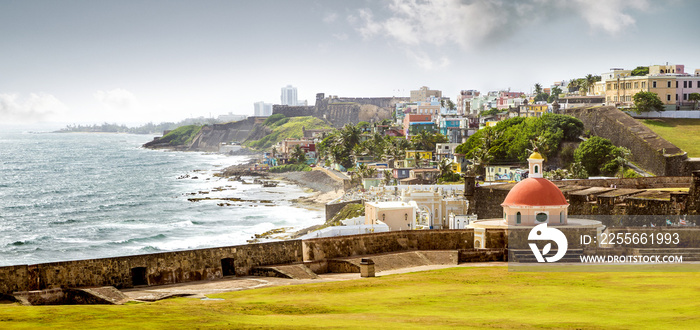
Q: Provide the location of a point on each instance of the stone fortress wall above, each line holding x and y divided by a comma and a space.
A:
606, 197
207, 264
649, 150
343, 110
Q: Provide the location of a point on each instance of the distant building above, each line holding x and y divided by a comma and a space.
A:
230, 117
396, 215
423, 94
289, 95
262, 109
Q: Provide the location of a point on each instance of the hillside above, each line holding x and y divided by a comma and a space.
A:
278, 127
204, 138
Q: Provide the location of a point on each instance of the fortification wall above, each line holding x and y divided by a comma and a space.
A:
633, 183
411, 240
339, 111
149, 269
629, 197
652, 152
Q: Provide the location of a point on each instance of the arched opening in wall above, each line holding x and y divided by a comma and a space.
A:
517, 217
227, 268
138, 276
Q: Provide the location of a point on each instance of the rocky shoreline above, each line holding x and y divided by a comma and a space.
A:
323, 188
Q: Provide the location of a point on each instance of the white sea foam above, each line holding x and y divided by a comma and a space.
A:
73, 196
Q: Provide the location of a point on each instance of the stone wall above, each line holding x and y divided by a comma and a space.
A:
356, 245
649, 150
595, 197
339, 111
149, 269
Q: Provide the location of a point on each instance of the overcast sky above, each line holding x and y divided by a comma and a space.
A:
139, 61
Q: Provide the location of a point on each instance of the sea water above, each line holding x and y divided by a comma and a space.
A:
83, 195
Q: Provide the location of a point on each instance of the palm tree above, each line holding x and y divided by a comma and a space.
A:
350, 135
388, 177
590, 82
538, 89
298, 156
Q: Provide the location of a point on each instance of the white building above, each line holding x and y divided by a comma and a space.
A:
262, 109
289, 95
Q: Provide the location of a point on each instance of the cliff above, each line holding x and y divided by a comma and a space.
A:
209, 137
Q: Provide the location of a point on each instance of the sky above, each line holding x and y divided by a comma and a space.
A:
132, 62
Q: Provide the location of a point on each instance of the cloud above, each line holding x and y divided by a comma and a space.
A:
330, 17
36, 108
609, 15
424, 61
471, 23
117, 99
340, 36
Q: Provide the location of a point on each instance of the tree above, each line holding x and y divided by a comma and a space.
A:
450, 105
538, 88
640, 71
426, 140
387, 177
590, 82
555, 94
298, 156
695, 97
598, 156
446, 173
647, 101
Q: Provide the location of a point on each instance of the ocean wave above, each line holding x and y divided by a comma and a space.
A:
140, 239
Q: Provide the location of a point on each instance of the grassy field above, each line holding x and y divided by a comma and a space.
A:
684, 133
486, 297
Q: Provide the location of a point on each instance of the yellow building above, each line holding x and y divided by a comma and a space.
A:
419, 154
620, 91
533, 110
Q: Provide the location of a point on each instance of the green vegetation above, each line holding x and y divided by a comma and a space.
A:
599, 156
182, 135
281, 128
647, 101
290, 168
510, 139
684, 133
347, 212
464, 297
640, 71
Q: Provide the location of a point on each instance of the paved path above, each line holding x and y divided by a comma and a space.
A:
200, 289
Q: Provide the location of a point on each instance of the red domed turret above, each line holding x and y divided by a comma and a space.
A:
535, 192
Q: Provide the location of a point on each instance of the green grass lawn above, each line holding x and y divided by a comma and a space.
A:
684, 133
486, 297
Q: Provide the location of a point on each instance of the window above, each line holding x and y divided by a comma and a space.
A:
607, 87
653, 84
644, 84
636, 85
561, 217
541, 217
517, 217
668, 84
685, 97
676, 97
668, 97
690, 84
685, 84
537, 169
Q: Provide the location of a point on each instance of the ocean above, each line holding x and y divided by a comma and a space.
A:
68, 196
